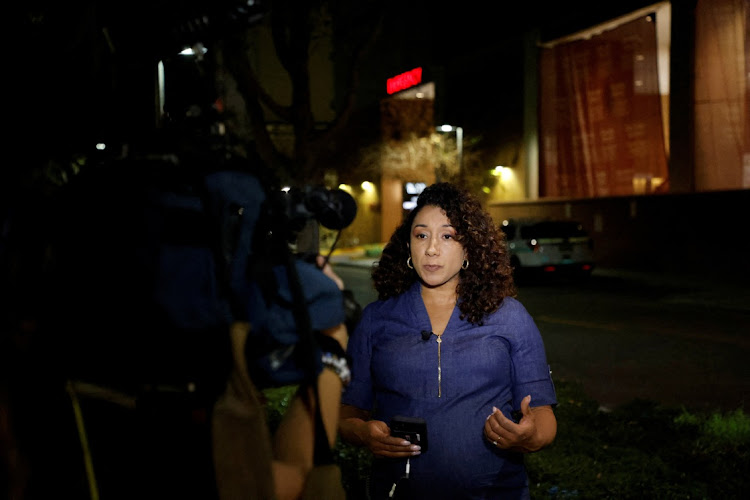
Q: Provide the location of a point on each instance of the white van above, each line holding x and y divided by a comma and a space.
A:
549, 247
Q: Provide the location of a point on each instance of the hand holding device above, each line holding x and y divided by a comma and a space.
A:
413, 429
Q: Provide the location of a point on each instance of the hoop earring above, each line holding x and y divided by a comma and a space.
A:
408, 263
465, 264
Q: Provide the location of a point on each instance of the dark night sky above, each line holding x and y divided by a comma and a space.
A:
66, 76
477, 50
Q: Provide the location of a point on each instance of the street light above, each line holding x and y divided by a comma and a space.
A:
459, 143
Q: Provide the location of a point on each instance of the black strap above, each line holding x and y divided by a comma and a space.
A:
323, 454
307, 346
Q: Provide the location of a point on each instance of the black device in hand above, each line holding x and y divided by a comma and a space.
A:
413, 429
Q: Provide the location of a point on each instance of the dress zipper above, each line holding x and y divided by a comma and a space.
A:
440, 372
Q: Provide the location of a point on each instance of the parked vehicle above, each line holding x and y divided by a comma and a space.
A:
549, 247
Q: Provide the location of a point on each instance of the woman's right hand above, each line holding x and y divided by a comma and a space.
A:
376, 435
356, 428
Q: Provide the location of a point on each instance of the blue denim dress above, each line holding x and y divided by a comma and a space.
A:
396, 372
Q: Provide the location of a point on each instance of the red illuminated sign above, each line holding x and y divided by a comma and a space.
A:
404, 80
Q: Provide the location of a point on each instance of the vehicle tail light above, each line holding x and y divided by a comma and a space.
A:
586, 267
549, 269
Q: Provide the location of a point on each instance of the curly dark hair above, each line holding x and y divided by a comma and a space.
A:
489, 277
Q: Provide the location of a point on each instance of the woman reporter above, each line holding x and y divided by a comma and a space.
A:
447, 342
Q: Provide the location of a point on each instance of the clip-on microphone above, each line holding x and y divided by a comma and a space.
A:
426, 335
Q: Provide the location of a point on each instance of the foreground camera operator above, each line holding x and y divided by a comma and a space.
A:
190, 302
249, 463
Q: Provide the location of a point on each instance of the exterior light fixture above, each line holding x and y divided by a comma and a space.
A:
197, 49
504, 173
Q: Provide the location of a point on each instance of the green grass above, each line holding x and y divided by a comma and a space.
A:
640, 450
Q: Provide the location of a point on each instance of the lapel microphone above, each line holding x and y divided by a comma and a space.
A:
426, 335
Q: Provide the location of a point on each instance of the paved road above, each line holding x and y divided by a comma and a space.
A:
678, 340
674, 342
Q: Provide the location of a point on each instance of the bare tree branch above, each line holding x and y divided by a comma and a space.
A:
337, 126
238, 65
293, 25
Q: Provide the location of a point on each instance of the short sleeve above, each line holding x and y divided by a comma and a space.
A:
531, 372
273, 357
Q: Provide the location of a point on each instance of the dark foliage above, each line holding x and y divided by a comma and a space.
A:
640, 450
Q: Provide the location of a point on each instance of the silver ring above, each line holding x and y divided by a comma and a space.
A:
495, 443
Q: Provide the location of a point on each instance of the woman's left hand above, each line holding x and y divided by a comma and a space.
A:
536, 429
